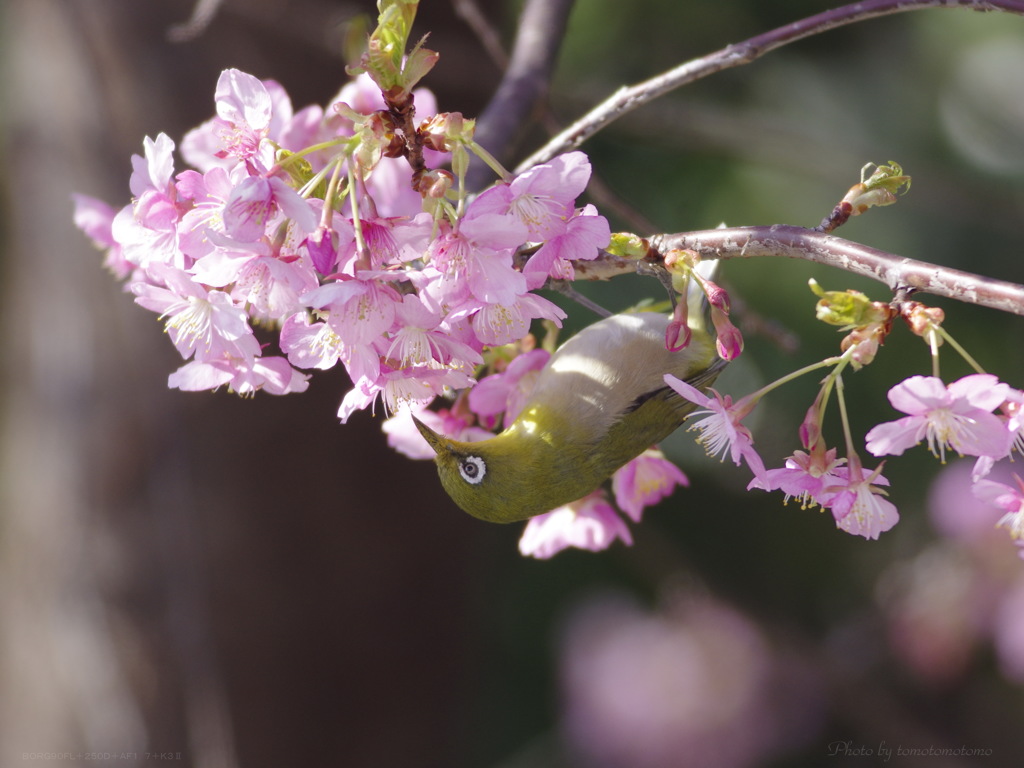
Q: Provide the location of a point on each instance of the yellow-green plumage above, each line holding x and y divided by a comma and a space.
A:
600, 401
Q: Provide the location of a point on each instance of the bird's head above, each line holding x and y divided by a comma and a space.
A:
485, 478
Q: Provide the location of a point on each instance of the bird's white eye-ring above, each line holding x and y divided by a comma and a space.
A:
472, 469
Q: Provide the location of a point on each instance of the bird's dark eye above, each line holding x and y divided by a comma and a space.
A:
472, 469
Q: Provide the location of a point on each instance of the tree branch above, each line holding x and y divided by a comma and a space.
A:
897, 272
541, 30
202, 15
629, 98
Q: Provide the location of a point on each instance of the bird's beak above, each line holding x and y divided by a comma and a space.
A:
435, 440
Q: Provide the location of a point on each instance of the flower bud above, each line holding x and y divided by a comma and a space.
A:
322, 250
717, 296
810, 427
681, 260
445, 129
435, 183
729, 340
677, 336
921, 319
678, 333
865, 343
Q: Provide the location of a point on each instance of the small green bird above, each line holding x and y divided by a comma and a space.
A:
600, 401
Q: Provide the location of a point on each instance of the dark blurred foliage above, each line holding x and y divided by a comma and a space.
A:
248, 583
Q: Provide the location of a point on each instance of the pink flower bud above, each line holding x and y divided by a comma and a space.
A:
810, 427
717, 296
321, 249
730, 340
677, 336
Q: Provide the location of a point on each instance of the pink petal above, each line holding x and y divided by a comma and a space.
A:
982, 390
919, 394
242, 99
894, 437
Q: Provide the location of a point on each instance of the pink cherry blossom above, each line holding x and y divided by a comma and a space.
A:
243, 101
244, 107
308, 344
497, 324
722, 429
388, 242
805, 477
146, 229
358, 311
255, 200
322, 247
479, 254
858, 504
141, 245
281, 110
417, 342
95, 218
542, 198
304, 129
270, 374
1008, 499
645, 481
390, 187
250, 113
270, 285
586, 233
1013, 414
199, 321
958, 416
418, 384
1013, 407
208, 193
590, 523
152, 172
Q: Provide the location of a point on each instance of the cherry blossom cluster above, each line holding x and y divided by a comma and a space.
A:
977, 415
405, 299
415, 297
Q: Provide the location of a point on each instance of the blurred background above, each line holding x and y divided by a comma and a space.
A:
202, 580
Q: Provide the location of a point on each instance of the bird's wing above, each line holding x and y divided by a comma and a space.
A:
604, 370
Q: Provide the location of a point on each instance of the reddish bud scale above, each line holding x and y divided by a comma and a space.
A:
839, 216
682, 259
921, 318
435, 183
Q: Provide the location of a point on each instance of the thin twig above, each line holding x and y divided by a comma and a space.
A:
470, 12
202, 15
897, 272
629, 98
